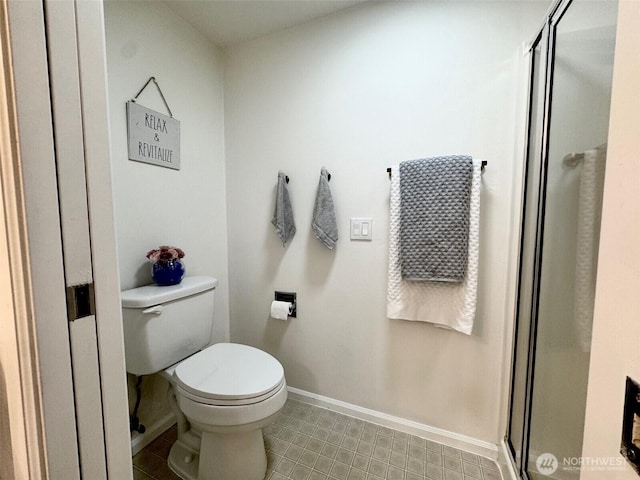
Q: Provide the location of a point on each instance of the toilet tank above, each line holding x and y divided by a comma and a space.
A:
163, 325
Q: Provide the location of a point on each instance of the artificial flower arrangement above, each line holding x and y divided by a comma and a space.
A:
167, 267
165, 253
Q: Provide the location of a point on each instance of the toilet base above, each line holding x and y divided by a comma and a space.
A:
225, 457
233, 456
236, 451
183, 461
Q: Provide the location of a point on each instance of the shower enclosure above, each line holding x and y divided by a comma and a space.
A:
569, 97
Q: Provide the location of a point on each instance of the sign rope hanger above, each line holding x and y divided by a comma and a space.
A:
160, 91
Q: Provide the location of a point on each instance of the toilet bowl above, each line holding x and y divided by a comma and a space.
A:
227, 393
222, 395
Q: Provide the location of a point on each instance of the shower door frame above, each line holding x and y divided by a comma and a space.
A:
545, 37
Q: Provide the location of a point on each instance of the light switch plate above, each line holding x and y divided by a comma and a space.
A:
361, 229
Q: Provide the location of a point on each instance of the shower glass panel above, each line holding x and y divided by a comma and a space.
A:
520, 380
583, 40
570, 92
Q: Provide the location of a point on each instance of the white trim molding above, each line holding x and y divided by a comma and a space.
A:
141, 440
504, 462
34, 350
21, 431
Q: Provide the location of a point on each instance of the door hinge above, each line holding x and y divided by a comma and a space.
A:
80, 301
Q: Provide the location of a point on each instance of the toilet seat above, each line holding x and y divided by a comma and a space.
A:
229, 374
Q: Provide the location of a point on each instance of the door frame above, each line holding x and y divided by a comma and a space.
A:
21, 421
37, 370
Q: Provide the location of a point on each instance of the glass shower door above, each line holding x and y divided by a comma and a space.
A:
518, 424
572, 64
584, 42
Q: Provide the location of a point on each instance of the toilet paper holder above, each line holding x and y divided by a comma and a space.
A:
287, 297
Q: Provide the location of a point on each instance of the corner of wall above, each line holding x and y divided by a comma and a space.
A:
614, 350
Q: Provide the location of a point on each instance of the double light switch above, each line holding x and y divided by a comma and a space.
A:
361, 229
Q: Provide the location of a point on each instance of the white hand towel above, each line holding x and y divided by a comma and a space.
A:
588, 234
446, 304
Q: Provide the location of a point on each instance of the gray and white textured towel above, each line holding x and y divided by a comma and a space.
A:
283, 213
446, 304
434, 218
324, 224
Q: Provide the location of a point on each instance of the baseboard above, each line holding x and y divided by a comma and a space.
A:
153, 431
505, 463
456, 440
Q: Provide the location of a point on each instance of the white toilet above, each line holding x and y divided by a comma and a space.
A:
222, 395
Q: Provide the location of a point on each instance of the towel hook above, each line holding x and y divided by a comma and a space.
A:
286, 178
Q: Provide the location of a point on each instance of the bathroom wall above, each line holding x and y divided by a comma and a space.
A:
615, 349
155, 205
358, 92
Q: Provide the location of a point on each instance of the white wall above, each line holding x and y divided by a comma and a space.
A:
615, 351
358, 92
155, 205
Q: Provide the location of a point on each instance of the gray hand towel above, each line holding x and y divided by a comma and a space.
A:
434, 218
283, 214
323, 223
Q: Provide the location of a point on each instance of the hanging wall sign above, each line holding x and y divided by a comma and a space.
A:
153, 137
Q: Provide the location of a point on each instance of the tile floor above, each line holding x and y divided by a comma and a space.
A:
311, 443
151, 462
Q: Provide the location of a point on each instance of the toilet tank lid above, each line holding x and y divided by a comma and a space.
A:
149, 295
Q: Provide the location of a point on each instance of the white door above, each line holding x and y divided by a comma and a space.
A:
57, 59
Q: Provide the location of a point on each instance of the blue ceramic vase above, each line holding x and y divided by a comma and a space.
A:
170, 272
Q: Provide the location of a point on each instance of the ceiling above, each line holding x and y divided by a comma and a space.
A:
228, 22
